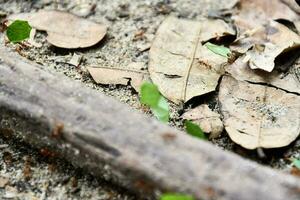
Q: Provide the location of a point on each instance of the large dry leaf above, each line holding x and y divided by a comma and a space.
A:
133, 73
179, 64
288, 81
64, 29
257, 115
209, 121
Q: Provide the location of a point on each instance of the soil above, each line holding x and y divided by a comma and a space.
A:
56, 179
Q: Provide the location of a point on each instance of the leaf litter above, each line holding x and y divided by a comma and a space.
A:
65, 30
182, 66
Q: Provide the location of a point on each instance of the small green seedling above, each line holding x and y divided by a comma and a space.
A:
194, 130
296, 163
18, 31
151, 97
220, 50
176, 197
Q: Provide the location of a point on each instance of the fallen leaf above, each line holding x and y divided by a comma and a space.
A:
179, 64
287, 81
133, 73
267, 44
253, 16
18, 31
253, 13
151, 97
208, 120
194, 130
65, 30
279, 39
257, 115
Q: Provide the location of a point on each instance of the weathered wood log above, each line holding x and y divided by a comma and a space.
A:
102, 135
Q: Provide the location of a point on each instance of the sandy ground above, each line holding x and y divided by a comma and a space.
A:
56, 179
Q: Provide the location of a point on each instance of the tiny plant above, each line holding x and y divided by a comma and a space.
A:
18, 31
176, 197
220, 50
194, 130
151, 97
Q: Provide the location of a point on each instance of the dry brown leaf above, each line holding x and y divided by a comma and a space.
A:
65, 30
278, 39
268, 42
179, 64
286, 81
252, 18
259, 116
133, 73
208, 120
253, 13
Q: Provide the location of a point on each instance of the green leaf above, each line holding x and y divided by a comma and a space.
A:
18, 31
176, 197
194, 130
296, 163
151, 97
220, 50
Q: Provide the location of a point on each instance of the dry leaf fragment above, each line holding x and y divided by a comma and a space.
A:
286, 81
208, 120
179, 64
259, 116
65, 30
75, 60
133, 73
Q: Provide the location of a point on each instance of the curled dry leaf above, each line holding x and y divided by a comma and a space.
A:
65, 30
257, 115
208, 120
253, 16
289, 81
133, 73
179, 64
277, 40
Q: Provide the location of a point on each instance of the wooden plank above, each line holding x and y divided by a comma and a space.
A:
102, 135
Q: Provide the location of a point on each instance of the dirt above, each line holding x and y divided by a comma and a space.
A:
124, 44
